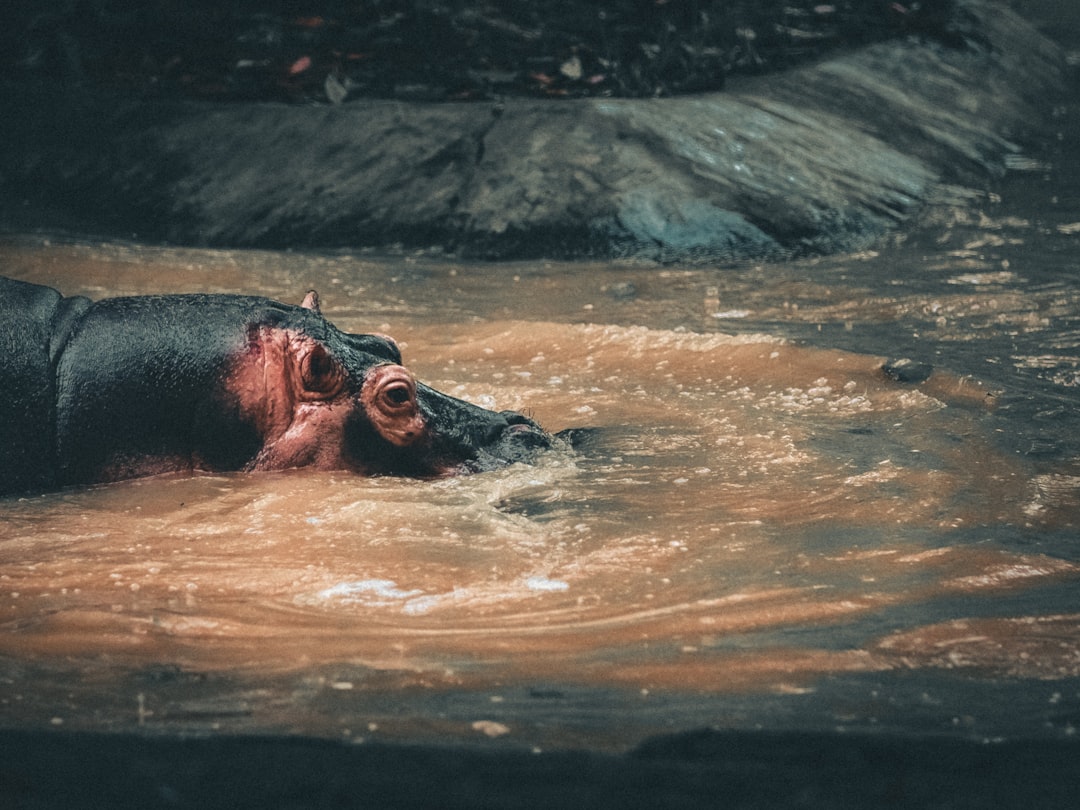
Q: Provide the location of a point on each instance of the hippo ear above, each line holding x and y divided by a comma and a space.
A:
320, 372
311, 301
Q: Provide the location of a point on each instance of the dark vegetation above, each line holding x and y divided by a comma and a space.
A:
439, 50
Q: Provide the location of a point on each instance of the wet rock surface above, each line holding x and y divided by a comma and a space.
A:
824, 157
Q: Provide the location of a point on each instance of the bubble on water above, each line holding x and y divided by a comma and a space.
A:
731, 313
425, 604
538, 583
977, 279
368, 591
490, 728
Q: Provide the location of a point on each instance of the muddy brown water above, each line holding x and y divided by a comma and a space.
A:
766, 531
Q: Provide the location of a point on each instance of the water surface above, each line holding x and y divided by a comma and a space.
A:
765, 531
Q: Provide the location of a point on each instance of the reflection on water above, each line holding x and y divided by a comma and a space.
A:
765, 529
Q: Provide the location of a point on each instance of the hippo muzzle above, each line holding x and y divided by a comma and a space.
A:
484, 439
125, 387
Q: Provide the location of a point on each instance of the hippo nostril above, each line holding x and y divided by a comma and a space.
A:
507, 423
515, 418
519, 432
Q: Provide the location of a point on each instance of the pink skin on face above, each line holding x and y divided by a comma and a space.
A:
294, 392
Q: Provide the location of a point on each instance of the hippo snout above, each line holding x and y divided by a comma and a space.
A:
520, 423
524, 431
520, 439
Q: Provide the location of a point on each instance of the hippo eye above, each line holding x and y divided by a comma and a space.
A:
398, 394
388, 396
320, 372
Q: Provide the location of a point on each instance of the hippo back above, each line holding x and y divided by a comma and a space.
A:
138, 384
35, 323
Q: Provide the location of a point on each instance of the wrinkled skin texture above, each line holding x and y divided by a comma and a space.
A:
127, 387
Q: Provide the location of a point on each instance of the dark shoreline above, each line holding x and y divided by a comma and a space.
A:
46, 769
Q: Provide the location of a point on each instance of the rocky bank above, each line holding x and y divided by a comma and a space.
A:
826, 157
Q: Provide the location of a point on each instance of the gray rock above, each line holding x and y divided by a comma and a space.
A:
824, 158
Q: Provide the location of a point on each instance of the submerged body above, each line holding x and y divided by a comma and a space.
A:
128, 387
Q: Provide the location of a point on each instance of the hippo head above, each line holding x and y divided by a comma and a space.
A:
213, 382
319, 397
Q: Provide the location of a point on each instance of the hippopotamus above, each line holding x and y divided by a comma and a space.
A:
94, 392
